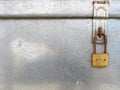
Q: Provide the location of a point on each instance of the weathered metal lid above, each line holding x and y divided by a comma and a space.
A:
53, 8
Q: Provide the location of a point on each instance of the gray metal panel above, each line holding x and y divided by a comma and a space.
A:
52, 8
55, 55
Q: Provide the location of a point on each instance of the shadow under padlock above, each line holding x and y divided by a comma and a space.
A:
100, 59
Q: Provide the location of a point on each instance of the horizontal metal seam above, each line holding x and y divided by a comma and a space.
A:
56, 17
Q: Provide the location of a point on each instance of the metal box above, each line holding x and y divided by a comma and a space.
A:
47, 45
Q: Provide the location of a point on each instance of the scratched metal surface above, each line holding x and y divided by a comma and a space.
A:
55, 55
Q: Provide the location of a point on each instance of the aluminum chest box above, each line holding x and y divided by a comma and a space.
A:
47, 45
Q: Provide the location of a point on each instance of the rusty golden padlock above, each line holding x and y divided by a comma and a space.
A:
100, 59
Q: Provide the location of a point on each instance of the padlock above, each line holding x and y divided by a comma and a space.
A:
100, 59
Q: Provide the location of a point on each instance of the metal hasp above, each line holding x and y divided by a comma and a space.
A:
100, 16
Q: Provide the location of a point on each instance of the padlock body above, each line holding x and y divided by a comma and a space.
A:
100, 60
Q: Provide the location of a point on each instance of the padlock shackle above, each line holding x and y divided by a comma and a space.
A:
105, 42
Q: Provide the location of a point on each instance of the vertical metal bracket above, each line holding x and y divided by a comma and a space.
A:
100, 16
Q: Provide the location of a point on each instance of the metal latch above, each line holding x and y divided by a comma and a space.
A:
100, 16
